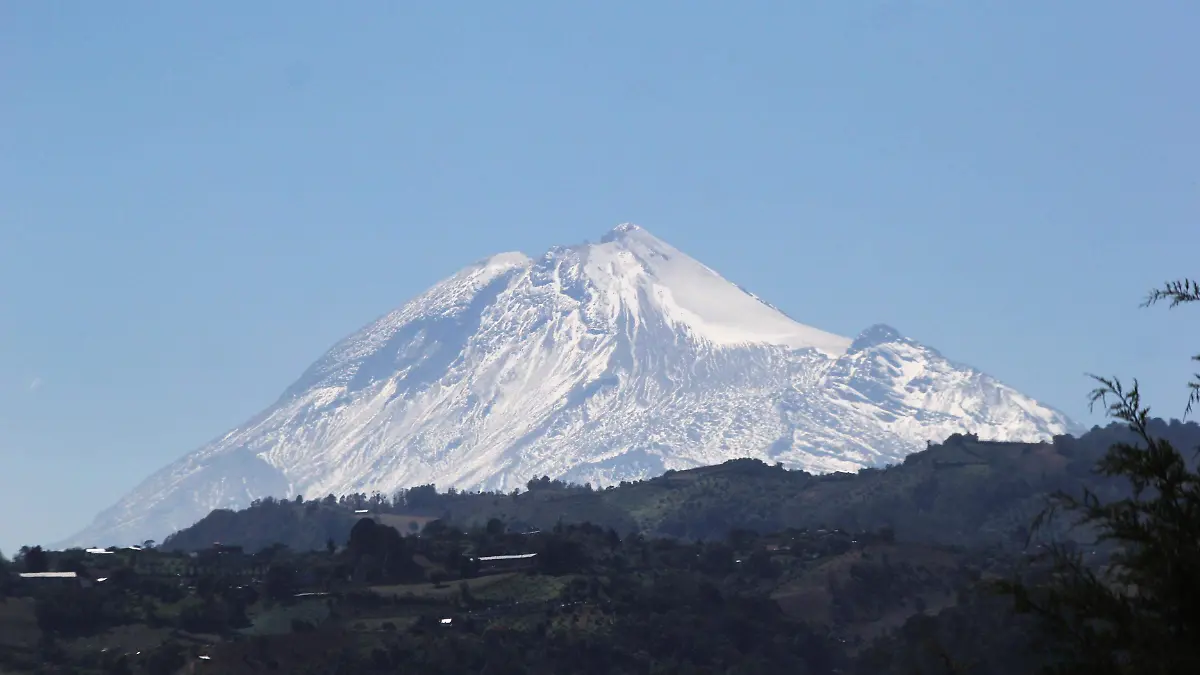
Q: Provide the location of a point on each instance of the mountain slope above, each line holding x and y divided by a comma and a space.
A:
599, 363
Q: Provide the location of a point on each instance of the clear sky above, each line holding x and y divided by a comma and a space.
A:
197, 199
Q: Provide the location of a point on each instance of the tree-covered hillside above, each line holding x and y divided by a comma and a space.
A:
963, 492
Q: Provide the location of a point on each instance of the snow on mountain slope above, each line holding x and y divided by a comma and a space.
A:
631, 264
600, 362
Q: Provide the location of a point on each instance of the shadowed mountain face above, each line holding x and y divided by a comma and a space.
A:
594, 363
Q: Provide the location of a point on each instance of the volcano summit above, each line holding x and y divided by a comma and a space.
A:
593, 363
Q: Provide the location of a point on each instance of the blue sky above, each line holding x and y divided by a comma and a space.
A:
197, 199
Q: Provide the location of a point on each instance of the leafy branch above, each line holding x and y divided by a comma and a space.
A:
1141, 612
1178, 293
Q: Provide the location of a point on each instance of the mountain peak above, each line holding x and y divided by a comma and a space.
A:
595, 363
621, 231
880, 333
639, 274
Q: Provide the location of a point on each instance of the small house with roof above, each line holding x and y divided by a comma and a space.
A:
496, 564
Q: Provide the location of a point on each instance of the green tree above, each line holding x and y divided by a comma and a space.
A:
1141, 612
34, 559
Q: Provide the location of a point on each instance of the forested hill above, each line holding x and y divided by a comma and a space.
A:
963, 491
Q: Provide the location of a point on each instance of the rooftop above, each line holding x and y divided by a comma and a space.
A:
48, 575
518, 556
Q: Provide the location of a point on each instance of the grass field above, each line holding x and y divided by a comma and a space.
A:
278, 620
524, 588
122, 639
444, 591
809, 597
399, 622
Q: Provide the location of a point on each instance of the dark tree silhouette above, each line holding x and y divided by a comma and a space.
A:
1176, 293
34, 559
1140, 613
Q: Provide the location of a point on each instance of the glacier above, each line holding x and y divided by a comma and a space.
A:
598, 363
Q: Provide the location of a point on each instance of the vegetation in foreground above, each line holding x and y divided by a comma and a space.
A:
587, 600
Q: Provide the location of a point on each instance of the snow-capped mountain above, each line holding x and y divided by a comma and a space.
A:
594, 363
